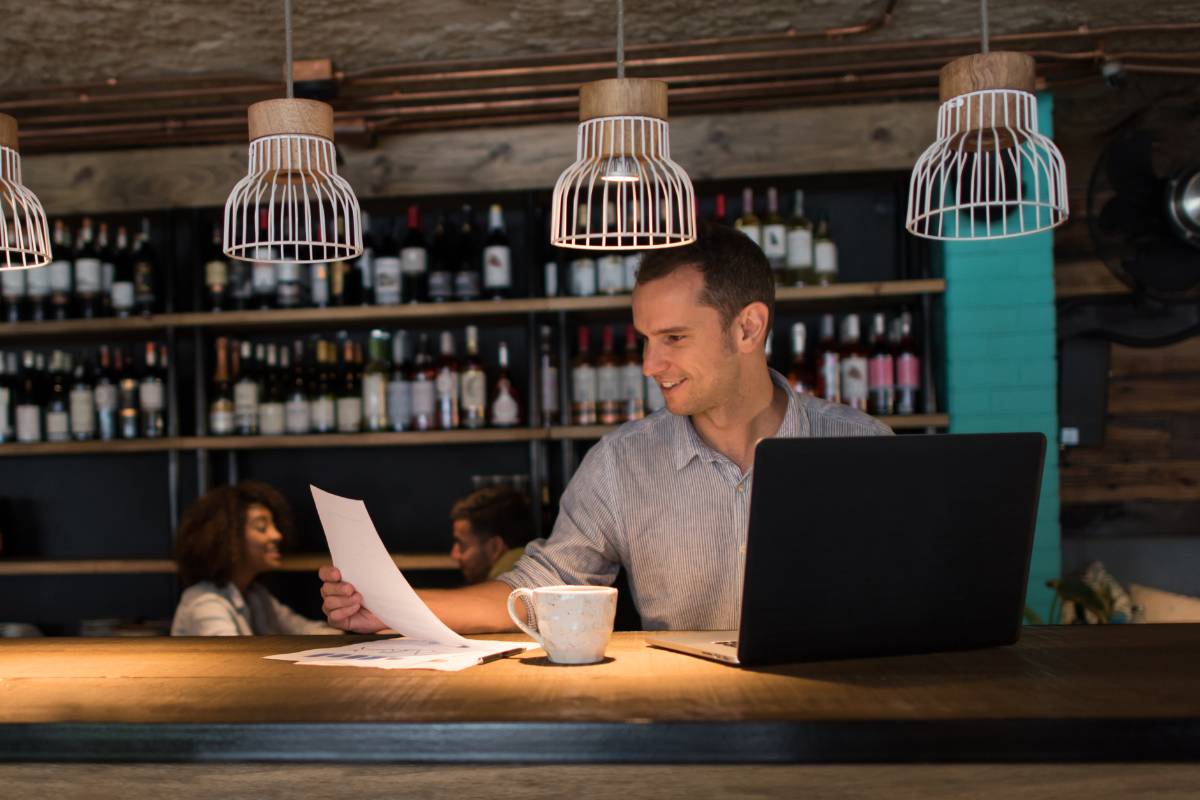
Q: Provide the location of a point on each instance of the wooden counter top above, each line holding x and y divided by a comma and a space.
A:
1062, 693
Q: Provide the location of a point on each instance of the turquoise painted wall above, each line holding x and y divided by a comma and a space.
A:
1001, 361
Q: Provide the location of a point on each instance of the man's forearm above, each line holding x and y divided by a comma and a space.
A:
482, 608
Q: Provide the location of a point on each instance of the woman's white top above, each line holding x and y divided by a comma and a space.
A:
206, 609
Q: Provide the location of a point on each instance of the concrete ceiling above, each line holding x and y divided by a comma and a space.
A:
56, 42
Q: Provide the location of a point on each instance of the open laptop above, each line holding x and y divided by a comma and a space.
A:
882, 545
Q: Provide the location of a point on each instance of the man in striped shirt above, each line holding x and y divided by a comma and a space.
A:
666, 497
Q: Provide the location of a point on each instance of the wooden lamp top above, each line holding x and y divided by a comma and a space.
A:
982, 71
623, 97
8, 132
290, 116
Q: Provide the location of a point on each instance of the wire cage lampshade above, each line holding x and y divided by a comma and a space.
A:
991, 174
292, 206
24, 232
623, 192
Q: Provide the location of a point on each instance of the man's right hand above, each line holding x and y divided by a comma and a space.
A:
343, 606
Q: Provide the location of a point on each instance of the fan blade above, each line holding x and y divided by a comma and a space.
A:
1130, 164
1166, 266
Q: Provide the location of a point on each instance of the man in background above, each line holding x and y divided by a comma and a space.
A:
491, 527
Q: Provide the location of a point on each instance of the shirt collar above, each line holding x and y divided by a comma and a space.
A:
686, 442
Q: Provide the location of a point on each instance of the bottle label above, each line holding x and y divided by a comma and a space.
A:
59, 274
880, 371
38, 282
583, 277
497, 267
122, 296
441, 285
583, 384
58, 426
505, 411
29, 423
245, 405
610, 276
387, 281
633, 262
143, 281
349, 414
262, 278
216, 273
106, 397
5, 404
908, 371
150, 395
854, 381
550, 392
366, 265
447, 385
466, 285
374, 400
270, 419
654, 396
324, 414
414, 260
424, 400
12, 282
87, 275
297, 418
319, 283
287, 283
551, 278
108, 271
474, 391
240, 280
399, 404
774, 244
220, 420
753, 233
633, 390
800, 248
829, 376
825, 254
608, 384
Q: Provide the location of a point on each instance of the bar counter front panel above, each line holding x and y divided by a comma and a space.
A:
1067, 693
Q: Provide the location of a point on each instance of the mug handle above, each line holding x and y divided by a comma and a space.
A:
527, 596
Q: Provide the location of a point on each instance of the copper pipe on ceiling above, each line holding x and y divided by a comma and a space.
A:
790, 34
1157, 69
260, 89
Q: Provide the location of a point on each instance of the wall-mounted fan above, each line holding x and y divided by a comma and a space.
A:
1143, 209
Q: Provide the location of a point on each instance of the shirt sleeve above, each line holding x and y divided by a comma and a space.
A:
582, 548
289, 622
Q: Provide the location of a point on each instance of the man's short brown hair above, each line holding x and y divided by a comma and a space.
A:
736, 273
496, 511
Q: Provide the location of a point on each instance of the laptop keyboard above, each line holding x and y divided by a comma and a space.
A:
728, 644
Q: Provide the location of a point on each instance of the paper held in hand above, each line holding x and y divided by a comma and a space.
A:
361, 557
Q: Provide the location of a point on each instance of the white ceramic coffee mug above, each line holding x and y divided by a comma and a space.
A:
573, 623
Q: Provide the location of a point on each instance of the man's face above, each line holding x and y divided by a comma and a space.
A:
474, 556
687, 351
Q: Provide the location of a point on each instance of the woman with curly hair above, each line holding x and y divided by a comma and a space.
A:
226, 539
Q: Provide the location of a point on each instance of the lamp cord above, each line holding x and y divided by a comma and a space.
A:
620, 38
287, 32
983, 26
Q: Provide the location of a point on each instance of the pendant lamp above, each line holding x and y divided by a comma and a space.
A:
24, 233
991, 174
292, 206
623, 192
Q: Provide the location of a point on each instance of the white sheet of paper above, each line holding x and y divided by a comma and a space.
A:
403, 654
360, 556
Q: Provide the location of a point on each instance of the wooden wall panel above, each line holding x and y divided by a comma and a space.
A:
875, 137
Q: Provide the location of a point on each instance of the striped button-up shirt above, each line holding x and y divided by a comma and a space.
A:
655, 498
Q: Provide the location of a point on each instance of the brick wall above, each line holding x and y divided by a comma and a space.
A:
1001, 366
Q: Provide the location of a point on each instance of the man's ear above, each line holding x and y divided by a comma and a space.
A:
495, 547
750, 327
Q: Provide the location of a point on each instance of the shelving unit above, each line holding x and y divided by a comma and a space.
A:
308, 562
558, 433
424, 475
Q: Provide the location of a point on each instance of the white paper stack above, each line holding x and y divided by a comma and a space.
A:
359, 554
